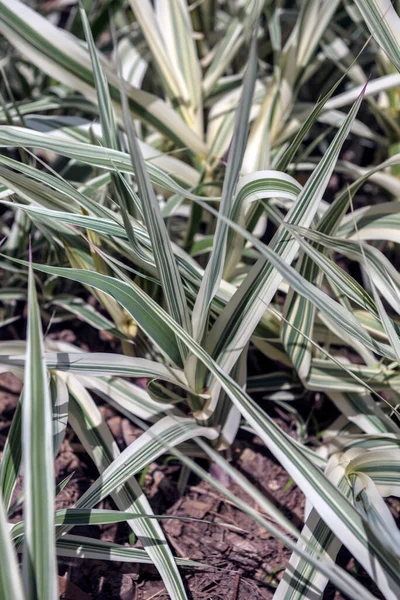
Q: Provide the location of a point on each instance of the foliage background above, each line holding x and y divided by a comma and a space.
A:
214, 186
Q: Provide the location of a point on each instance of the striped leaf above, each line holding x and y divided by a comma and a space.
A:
165, 434
10, 577
339, 577
238, 31
213, 273
175, 26
129, 399
107, 158
384, 24
40, 567
110, 132
298, 310
301, 580
59, 397
79, 547
102, 364
11, 458
163, 254
87, 313
174, 20
92, 516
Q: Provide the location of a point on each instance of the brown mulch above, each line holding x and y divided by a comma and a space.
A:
244, 564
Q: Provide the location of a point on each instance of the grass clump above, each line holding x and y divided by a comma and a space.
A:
191, 179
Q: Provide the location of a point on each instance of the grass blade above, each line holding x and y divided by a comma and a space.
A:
163, 254
233, 328
74, 546
384, 24
10, 578
40, 565
11, 458
213, 273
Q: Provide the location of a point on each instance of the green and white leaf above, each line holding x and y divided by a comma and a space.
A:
39, 562
10, 577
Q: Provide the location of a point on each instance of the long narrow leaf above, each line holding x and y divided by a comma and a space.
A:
164, 257
213, 273
40, 567
10, 577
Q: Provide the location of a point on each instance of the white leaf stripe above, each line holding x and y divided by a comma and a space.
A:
364, 411
126, 199
92, 516
89, 314
174, 83
301, 580
167, 432
59, 397
176, 30
326, 375
213, 273
300, 311
126, 397
379, 265
96, 364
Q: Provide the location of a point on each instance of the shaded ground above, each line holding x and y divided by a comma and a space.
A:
245, 565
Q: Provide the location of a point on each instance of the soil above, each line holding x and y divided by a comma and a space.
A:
244, 564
